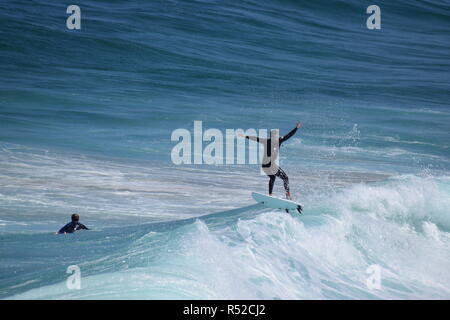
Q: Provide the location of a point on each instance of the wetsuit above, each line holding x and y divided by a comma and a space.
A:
72, 226
271, 149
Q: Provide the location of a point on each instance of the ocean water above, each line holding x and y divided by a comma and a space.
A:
86, 118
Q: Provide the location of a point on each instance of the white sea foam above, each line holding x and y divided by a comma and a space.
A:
400, 225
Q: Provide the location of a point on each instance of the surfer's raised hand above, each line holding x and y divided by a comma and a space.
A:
298, 125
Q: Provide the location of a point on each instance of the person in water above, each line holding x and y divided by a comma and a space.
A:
73, 226
271, 149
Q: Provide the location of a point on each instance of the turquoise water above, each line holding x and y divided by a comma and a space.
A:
86, 121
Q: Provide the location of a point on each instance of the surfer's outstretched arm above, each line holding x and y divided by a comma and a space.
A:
291, 133
257, 139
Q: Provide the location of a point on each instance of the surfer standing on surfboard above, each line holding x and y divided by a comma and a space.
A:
271, 149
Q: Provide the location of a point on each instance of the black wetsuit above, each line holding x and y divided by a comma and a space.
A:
281, 174
271, 152
72, 226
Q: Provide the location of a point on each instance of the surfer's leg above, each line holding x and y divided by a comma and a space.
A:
271, 182
280, 173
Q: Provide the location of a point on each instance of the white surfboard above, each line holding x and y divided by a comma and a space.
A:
276, 203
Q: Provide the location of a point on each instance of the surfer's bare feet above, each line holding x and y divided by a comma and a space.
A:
288, 196
270, 194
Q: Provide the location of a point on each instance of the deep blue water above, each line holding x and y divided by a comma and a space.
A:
86, 118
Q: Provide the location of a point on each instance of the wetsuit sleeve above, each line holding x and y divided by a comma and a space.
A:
64, 229
82, 226
252, 138
290, 134
257, 139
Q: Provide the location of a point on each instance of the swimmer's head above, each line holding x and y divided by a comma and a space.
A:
75, 217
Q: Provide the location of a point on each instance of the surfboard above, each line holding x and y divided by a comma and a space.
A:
276, 203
